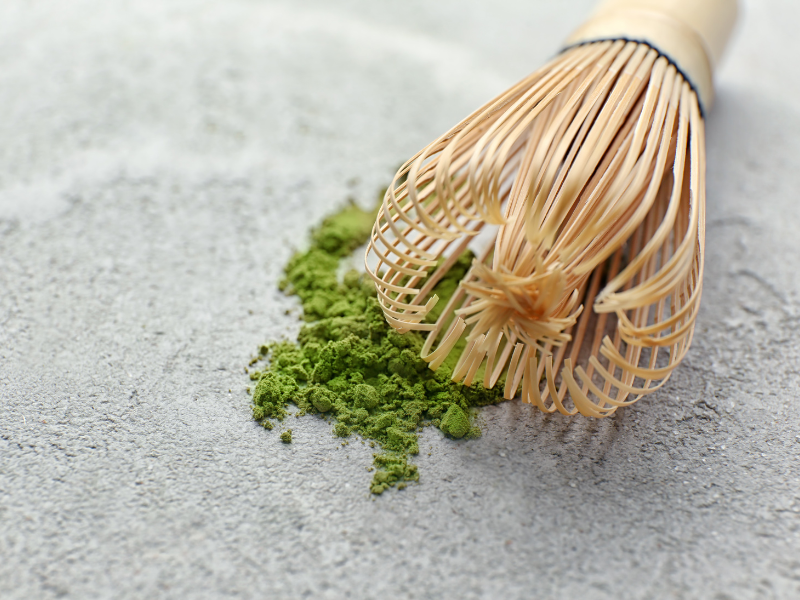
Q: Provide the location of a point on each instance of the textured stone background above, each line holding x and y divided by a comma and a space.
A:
160, 159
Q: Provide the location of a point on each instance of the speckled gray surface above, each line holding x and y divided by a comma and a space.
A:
158, 162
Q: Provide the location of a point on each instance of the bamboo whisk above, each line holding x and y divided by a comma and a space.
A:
593, 170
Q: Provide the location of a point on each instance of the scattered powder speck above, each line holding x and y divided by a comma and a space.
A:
455, 422
349, 367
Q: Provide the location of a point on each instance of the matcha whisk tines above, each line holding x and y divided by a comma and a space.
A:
593, 170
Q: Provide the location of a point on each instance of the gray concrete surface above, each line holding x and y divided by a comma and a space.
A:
158, 162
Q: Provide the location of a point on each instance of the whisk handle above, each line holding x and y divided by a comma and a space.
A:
691, 33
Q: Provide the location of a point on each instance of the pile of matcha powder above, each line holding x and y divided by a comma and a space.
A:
350, 368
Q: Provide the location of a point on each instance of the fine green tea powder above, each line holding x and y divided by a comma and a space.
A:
350, 367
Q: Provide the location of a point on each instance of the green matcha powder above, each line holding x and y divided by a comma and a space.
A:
349, 367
